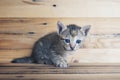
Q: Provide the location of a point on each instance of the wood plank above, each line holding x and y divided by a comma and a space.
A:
26, 42
72, 69
54, 8
61, 77
81, 71
99, 25
79, 56
8, 55
60, 71
81, 65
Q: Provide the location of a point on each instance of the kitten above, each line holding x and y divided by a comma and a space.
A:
52, 48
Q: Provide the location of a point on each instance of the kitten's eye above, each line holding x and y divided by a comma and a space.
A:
67, 40
78, 41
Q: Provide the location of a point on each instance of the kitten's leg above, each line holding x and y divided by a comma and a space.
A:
59, 61
42, 59
45, 61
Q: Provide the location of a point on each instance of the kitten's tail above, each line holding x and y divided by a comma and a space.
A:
23, 60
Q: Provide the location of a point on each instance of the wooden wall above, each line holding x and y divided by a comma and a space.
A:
22, 22
17, 36
60, 8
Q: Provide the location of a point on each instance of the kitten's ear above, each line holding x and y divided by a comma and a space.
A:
86, 29
60, 27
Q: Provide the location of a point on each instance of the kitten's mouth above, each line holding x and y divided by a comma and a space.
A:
69, 49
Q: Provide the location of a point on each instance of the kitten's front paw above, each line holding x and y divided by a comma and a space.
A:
61, 64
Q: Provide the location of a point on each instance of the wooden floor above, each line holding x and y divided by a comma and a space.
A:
74, 72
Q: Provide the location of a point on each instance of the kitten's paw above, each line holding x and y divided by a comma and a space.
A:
61, 64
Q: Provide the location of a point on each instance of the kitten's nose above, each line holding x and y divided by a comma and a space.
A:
72, 48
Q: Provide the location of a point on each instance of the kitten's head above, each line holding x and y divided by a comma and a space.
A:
72, 35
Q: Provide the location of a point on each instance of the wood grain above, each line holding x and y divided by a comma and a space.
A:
48, 72
55, 8
80, 56
25, 31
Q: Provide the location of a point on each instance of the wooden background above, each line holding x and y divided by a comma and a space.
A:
22, 22
60, 8
17, 36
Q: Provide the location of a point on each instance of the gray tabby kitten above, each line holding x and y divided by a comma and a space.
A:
52, 48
